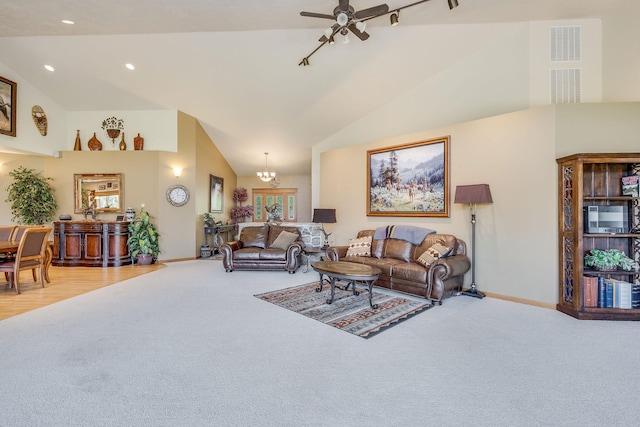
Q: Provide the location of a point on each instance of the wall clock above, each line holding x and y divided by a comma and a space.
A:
178, 195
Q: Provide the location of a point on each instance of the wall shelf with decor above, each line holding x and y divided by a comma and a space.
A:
594, 213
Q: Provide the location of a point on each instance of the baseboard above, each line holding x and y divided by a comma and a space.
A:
520, 300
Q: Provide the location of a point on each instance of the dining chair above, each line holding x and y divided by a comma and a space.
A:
19, 230
30, 256
6, 231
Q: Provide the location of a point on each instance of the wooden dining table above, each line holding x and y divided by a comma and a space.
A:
11, 247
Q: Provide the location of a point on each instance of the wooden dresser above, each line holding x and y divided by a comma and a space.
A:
90, 244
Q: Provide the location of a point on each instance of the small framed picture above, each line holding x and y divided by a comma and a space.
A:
120, 218
8, 106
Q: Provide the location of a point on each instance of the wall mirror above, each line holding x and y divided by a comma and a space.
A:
102, 191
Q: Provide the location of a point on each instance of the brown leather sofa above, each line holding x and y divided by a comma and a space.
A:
400, 271
255, 250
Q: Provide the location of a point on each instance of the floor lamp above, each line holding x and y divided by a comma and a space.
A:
473, 194
324, 216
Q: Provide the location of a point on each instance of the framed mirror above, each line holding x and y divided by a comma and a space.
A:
103, 191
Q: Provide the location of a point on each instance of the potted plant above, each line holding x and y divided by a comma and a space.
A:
31, 197
610, 259
143, 239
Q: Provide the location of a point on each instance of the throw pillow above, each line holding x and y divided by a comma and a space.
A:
432, 254
284, 239
359, 247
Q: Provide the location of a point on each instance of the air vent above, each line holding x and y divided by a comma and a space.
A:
565, 86
565, 44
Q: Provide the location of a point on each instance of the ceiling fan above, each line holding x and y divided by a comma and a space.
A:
347, 19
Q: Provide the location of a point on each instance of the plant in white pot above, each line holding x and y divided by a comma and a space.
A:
609, 260
143, 239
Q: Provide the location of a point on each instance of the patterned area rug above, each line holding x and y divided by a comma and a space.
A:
348, 312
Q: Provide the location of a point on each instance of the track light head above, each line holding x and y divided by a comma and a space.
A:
304, 62
453, 4
394, 19
331, 40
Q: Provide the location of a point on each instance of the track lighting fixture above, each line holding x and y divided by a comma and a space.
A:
394, 19
305, 61
331, 40
453, 4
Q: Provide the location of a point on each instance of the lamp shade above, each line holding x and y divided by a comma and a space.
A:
327, 216
476, 193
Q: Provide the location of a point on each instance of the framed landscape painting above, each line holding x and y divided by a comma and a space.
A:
409, 180
8, 107
217, 188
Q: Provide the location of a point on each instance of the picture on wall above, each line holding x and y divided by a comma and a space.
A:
8, 107
217, 188
409, 180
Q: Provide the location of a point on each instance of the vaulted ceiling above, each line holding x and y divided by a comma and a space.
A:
233, 64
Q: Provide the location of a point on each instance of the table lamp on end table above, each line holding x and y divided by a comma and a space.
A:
324, 216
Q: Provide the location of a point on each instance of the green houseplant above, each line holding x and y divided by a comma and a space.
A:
31, 197
609, 259
143, 239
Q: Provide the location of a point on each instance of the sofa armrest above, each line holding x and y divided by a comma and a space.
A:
293, 251
445, 269
226, 249
334, 253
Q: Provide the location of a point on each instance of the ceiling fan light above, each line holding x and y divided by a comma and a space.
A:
346, 40
361, 26
328, 32
394, 19
342, 19
453, 4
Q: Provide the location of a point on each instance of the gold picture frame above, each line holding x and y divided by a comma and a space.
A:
410, 180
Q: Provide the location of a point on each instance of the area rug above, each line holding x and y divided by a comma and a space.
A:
348, 312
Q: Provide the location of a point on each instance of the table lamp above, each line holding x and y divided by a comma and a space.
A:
473, 194
324, 216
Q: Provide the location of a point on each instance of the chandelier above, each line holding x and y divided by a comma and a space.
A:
265, 175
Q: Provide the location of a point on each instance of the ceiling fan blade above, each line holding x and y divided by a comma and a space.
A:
344, 5
362, 35
317, 15
372, 11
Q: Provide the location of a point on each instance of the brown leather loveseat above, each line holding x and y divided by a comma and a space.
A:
403, 271
266, 247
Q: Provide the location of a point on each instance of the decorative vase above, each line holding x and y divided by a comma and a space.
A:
145, 259
78, 145
138, 142
123, 145
129, 214
94, 144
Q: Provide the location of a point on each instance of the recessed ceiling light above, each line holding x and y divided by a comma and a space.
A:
49, 68
130, 66
68, 22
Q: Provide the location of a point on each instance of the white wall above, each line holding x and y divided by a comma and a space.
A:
28, 139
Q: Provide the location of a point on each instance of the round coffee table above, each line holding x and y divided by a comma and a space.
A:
349, 271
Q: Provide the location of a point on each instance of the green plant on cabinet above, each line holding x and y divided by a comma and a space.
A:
609, 259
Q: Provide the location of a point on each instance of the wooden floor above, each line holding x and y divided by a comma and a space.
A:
66, 282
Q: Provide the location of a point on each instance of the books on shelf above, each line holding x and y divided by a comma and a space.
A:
630, 185
610, 293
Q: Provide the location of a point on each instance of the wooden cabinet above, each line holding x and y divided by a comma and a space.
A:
594, 180
90, 244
